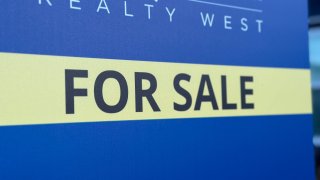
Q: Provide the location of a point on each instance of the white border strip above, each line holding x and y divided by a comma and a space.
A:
228, 6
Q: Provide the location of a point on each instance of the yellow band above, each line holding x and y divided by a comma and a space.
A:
33, 90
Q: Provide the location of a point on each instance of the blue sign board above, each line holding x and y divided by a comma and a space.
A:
155, 89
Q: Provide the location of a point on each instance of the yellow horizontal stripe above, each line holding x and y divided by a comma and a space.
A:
32, 90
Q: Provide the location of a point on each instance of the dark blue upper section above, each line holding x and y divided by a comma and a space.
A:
27, 27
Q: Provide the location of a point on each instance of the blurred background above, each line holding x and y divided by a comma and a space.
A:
314, 46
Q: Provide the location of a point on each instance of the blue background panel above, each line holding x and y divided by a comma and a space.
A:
27, 27
264, 148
